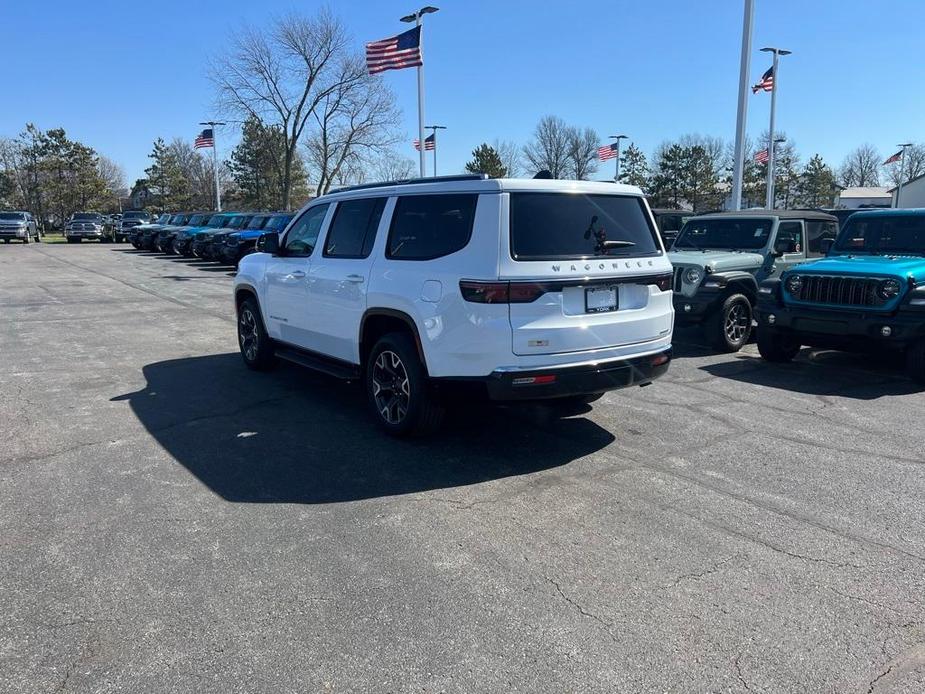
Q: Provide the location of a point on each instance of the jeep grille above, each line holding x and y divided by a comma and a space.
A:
842, 291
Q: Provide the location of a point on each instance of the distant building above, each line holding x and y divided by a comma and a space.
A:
913, 194
856, 197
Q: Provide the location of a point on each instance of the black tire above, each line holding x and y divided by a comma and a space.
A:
26, 239
255, 345
729, 328
6, 240
915, 361
775, 347
73, 240
398, 390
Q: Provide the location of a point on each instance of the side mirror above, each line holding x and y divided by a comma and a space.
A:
268, 243
825, 245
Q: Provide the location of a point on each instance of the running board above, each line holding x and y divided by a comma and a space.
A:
337, 369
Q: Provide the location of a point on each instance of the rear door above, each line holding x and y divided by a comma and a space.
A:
582, 269
339, 277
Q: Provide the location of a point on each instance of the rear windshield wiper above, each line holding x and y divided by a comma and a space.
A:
606, 245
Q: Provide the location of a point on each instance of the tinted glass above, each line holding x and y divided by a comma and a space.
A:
178, 219
430, 226
19, 216
789, 237
816, 232
353, 230
303, 235
215, 220
568, 225
735, 233
671, 222
86, 216
257, 222
899, 234
163, 219
135, 215
277, 222
198, 220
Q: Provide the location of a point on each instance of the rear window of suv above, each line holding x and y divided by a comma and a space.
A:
569, 225
430, 226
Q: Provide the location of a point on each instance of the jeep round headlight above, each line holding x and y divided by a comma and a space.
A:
794, 284
889, 288
693, 275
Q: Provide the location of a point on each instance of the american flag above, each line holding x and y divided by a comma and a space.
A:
895, 158
607, 152
204, 139
430, 142
395, 52
761, 156
766, 83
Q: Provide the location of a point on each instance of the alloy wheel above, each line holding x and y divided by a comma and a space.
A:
737, 323
391, 387
248, 334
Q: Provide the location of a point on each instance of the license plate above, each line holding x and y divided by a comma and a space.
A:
600, 299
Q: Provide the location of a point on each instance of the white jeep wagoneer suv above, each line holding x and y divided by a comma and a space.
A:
520, 289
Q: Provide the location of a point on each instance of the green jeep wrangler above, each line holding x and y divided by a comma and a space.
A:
720, 259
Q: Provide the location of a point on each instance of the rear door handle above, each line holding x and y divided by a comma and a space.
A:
355, 278
297, 275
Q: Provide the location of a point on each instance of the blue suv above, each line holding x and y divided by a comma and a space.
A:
867, 294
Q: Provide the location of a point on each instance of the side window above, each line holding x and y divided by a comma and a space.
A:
816, 233
303, 235
789, 238
430, 226
353, 229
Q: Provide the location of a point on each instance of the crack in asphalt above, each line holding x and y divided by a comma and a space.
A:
581, 610
701, 574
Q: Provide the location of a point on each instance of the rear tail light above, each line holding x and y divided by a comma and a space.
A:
663, 282
501, 292
534, 380
659, 359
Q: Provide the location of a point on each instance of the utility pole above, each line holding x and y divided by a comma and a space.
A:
777, 52
738, 166
616, 173
435, 128
218, 195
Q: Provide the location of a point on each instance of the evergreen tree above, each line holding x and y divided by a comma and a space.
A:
817, 184
166, 179
634, 169
668, 179
699, 178
486, 160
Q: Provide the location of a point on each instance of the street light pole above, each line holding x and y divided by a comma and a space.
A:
418, 19
435, 128
742, 110
218, 195
902, 168
616, 174
777, 52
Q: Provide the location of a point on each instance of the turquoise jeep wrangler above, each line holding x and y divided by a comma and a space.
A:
867, 294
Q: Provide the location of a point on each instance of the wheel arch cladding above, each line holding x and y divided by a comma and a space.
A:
381, 321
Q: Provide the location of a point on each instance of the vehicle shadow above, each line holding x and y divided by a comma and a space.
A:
822, 372
293, 436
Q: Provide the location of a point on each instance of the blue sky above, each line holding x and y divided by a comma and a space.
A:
116, 75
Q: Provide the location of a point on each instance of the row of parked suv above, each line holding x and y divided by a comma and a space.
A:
549, 290
224, 237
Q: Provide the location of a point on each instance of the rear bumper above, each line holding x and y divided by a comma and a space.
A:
580, 379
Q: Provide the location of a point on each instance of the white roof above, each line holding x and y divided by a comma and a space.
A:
865, 192
490, 185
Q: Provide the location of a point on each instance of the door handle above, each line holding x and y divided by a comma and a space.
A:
355, 278
297, 275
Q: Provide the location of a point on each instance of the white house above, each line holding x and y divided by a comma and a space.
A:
863, 196
913, 193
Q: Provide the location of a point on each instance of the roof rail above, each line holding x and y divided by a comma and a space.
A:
409, 181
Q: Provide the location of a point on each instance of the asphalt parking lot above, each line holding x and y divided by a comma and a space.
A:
170, 521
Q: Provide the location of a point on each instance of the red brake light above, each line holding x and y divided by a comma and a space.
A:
485, 292
663, 282
525, 292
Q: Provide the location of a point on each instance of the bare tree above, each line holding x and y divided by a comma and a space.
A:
510, 157
582, 152
283, 76
861, 167
112, 174
549, 149
913, 166
354, 121
392, 166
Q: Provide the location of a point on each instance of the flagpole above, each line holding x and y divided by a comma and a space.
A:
616, 171
902, 167
435, 128
777, 52
738, 165
418, 19
218, 195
